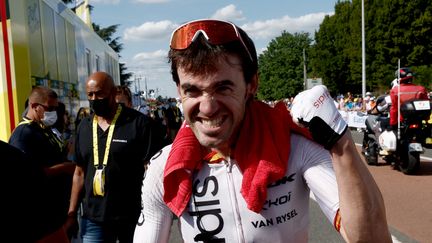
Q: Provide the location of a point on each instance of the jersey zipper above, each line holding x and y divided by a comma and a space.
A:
234, 202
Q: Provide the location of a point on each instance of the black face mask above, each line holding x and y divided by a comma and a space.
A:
100, 107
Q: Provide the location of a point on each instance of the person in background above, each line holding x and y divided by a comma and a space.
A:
27, 203
82, 113
341, 102
34, 136
408, 91
124, 96
369, 101
144, 108
242, 171
173, 119
112, 147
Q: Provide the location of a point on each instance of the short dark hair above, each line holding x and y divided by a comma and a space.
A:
40, 94
199, 58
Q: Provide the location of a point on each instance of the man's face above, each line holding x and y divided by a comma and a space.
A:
122, 98
214, 105
50, 104
96, 90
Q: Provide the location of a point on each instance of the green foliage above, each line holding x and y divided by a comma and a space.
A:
124, 75
281, 66
107, 35
395, 29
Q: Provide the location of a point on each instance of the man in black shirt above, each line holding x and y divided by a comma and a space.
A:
35, 138
27, 203
112, 147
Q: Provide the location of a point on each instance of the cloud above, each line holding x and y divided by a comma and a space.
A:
153, 62
149, 31
151, 1
144, 56
271, 28
152, 69
228, 13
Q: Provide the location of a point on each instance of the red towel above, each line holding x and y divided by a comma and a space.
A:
262, 153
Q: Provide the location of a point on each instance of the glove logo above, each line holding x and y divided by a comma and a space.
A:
321, 99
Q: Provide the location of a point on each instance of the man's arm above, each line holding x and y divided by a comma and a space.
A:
362, 208
155, 220
62, 168
77, 186
361, 205
71, 224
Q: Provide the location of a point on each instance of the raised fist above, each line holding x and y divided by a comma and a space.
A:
316, 110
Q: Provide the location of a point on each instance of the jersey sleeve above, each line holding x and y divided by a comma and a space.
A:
320, 177
154, 224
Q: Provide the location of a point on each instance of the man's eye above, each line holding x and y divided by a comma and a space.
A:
191, 92
224, 89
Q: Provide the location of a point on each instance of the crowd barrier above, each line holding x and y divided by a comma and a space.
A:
353, 119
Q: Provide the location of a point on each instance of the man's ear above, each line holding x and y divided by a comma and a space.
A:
252, 87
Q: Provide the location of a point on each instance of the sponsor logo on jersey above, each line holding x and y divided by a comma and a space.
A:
207, 208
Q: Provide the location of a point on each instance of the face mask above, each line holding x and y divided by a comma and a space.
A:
100, 106
50, 117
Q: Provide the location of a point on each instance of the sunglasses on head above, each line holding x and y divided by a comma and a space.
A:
216, 32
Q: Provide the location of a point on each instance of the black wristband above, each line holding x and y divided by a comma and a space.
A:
323, 134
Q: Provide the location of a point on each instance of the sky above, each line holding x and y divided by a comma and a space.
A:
145, 28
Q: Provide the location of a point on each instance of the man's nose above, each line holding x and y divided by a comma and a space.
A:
208, 104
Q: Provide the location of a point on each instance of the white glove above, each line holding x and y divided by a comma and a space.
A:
315, 109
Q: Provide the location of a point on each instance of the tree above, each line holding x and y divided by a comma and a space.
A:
336, 55
124, 76
281, 66
395, 30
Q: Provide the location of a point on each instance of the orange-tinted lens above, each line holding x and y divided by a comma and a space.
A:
216, 32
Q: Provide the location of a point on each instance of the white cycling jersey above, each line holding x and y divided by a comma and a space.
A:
217, 211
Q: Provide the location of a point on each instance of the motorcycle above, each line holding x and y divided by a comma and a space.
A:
403, 152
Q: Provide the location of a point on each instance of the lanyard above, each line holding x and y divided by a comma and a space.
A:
49, 134
109, 138
25, 121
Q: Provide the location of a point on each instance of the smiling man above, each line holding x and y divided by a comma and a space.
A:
241, 171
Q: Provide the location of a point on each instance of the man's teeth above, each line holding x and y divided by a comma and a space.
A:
213, 122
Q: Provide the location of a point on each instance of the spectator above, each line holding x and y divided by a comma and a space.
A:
36, 139
124, 96
112, 147
27, 200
